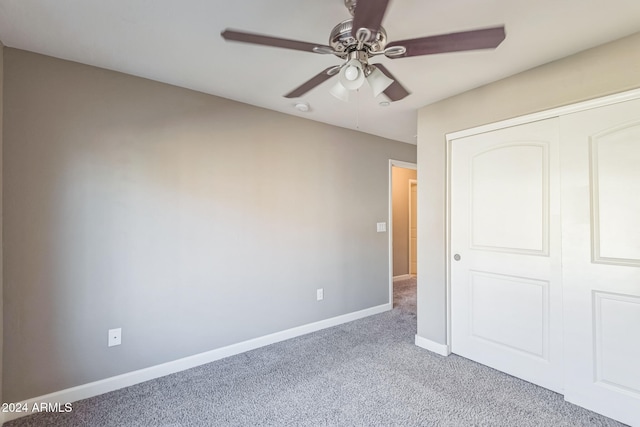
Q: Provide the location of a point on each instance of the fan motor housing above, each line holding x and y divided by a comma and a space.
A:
343, 42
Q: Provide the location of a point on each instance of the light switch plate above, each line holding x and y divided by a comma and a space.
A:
382, 227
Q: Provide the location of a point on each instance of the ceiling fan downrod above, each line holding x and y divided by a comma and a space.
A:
351, 6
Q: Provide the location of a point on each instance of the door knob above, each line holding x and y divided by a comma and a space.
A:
456, 257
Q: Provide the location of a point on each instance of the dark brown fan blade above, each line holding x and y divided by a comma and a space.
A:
240, 36
395, 91
311, 83
368, 14
454, 42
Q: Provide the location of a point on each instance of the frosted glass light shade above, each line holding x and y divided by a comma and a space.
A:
340, 92
378, 81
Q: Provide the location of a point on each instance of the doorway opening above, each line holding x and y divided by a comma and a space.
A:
402, 226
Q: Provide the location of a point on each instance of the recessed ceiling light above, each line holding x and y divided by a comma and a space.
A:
384, 103
302, 106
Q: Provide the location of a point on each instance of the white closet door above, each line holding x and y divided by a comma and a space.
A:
505, 288
600, 154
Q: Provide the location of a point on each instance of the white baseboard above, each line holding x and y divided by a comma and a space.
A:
441, 349
131, 378
402, 277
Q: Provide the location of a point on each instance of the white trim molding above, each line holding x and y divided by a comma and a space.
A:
435, 347
402, 277
547, 114
403, 164
106, 385
411, 200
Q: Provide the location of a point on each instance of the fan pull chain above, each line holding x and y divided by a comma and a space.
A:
358, 108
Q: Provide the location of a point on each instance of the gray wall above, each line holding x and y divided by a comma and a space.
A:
600, 71
400, 212
192, 222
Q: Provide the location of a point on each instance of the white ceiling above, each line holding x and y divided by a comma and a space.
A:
178, 42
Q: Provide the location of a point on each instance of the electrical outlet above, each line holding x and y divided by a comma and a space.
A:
319, 294
115, 337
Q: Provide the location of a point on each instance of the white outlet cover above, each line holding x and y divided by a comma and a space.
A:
381, 227
115, 337
320, 294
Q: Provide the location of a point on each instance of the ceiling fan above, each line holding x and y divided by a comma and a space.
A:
362, 37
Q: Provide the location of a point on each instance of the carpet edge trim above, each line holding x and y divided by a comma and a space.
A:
435, 347
117, 382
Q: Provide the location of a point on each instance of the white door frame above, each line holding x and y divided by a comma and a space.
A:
554, 112
412, 182
398, 164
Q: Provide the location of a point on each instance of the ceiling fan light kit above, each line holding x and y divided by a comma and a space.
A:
361, 38
353, 75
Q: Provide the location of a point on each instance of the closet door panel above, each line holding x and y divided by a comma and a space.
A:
506, 277
600, 174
